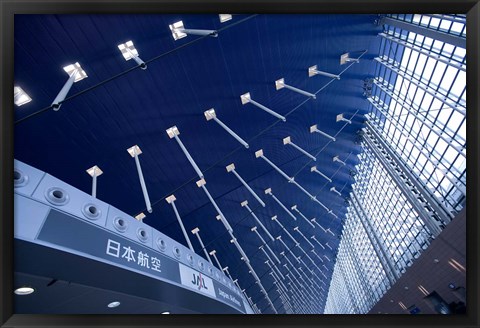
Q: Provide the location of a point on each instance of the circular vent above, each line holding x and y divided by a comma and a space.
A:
177, 252
56, 196
120, 224
142, 234
161, 244
19, 179
91, 211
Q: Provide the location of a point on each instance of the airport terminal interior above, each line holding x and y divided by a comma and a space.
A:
240, 164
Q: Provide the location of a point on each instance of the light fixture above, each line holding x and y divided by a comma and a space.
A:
216, 259
134, 151
335, 191
246, 98
231, 168
129, 52
259, 153
312, 71
166, 312
257, 279
201, 184
288, 141
345, 58
319, 243
314, 128
245, 204
224, 17
113, 304
75, 73
268, 191
210, 115
314, 169
179, 31
140, 216
94, 172
340, 118
171, 200
174, 133
254, 229
337, 159
280, 84
196, 231
24, 290
294, 208
274, 218
301, 234
20, 97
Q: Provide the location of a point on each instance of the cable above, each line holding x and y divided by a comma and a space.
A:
132, 69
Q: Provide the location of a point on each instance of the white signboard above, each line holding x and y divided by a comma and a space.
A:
196, 280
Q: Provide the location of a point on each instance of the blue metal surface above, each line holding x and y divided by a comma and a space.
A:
96, 127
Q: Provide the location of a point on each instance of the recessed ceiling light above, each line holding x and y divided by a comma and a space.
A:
113, 304
166, 312
24, 290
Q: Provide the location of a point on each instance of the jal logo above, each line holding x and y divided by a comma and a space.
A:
199, 281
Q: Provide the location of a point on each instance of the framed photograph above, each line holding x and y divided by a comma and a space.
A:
166, 164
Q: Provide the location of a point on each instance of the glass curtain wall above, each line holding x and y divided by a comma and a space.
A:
411, 179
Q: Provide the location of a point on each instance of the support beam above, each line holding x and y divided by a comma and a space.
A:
280, 84
196, 232
435, 91
231, 168
294, 208
269, 192
94, 172
246, 98
456, 64
210, 115
201, 183
174, 133
288, 141
452, 39
314, 169
314, 128
171, 200
134, 151
274, 218
245, 204
439, 208
254, 229
75, 74
385, 259
312, 71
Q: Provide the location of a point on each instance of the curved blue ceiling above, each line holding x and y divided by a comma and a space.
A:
184, 78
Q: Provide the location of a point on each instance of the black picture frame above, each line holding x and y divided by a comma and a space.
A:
9, 8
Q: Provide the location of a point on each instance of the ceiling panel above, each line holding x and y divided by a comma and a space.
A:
117, 107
